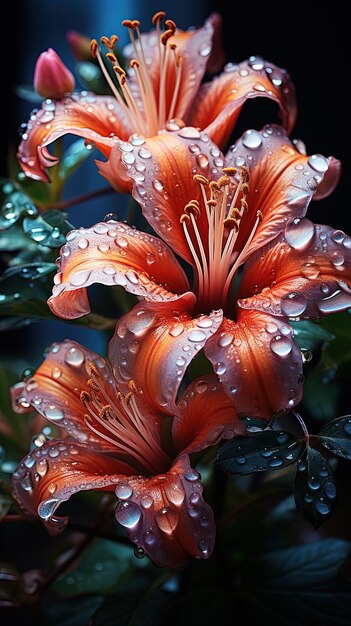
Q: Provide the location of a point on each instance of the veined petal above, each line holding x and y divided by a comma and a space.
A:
219, 102
167, 516
54, 390
258, 363
60, 468
112, 253
282, 182
205, 415
306, 273
163, 169
154, 344
96, 118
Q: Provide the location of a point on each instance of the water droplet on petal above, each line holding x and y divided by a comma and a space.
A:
299, 233
310, 270
146, 501
225, 339
128, 514
166, 520
322, 507
318, 162
123, 491
149, 538
191, 475
83, 243
80, 278
196, 336
74, 357
281, 345
251, 139
202, 160
329, 489
54, 413
176, 330
293, 304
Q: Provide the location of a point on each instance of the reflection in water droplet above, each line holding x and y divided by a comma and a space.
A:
54, 413
128, 514
293, 304
322, 507
318, 162
251, 139
299, 233
74, 357
166, 520
281, 345
123, 491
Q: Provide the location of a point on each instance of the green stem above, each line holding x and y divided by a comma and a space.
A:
66, 204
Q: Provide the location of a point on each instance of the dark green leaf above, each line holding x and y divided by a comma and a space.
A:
14, 204
309, 335
338, 351
314, 487
21, 285
73, 611
336, 436
92, 78
48, 229
266, 450
253, 424
15, 239
26, 92
100, 570
298, 586
134, 609
321, 394
73, 157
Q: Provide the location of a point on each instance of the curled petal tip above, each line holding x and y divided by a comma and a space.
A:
52, 79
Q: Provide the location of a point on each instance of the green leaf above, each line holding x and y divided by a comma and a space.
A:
134, 609
257, 452
314, 487
20, 285
73, 611
336, 436
26, 92
309, 335
321, 394
339, 350
101, 569
48, 229
298, 586
14, 204
91, 77
15, 239
72, 158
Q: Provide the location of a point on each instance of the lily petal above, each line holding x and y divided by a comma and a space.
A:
219, 102
167, 516
60, 468
282, 182
258, 363
112, 253
153, 345
98, 119
306, 273
168, 163
54, 390
206, 414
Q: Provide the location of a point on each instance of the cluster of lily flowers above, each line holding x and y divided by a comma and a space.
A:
233, 260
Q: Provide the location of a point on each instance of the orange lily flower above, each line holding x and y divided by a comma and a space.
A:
163, 84
250, 217
117, 443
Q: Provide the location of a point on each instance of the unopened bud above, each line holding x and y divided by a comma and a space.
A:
80, 45
52, 79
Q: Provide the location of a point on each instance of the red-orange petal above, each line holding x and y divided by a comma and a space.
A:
205, 415
154, 344
99, 119
113, 253
305, 273
55, 388
167, 516
163, 170
219, 102
53, 473
282, 182
258, 363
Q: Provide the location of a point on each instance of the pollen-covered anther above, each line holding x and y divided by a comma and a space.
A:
94, 46
128, 397
223, 181
109, 42
244, 205
85, 397
198, 178
135, 23
214, 186
93, 370
132, 386
128, 24
184, 218
120, 396
166, 35
158, 17
192, 208
92, 385
105, 412
229, 171
171, 25
259, 215
111, 57
133, 63
231, 223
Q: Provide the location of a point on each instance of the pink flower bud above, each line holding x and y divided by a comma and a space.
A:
52, 79
80, 45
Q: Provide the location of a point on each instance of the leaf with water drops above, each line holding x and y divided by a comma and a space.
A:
257, 452
309, 335
48, 229
23, 284
100, 570
14, 204
336, 436
314, 487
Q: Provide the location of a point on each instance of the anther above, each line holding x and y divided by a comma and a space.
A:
111, 57
93, 370
192, 208
214, 185
171, 25
211, 202
94, 46
132, 386
104, 412
158, 16
229, 171
223, 181
128, 24
134, 63
128, 396
244, 205
231, 223
135, 23
198, 178
184, 218
85, 397
92, 385
166, 35
259, 215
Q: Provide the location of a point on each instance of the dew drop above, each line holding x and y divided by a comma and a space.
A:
74, 357
149, 538
347, 427
56, 372
53, 413
191, 475
129, 158
176, 330
201, 386
314, 483
276, 461
146, 501
318, 162
293, 304
225, 339
47, 508
196, 336
166, 520
202, 160
251, 139
204, 322
83, 243
80, 278
144, 153
128, 514
139, 552
299, 233
188, 132
220, 368
204, 547
322, 507
310, 270
329, 489
281, 345
123, 491
180, 361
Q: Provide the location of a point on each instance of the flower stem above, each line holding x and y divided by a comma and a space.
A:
66, 204
302, 424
